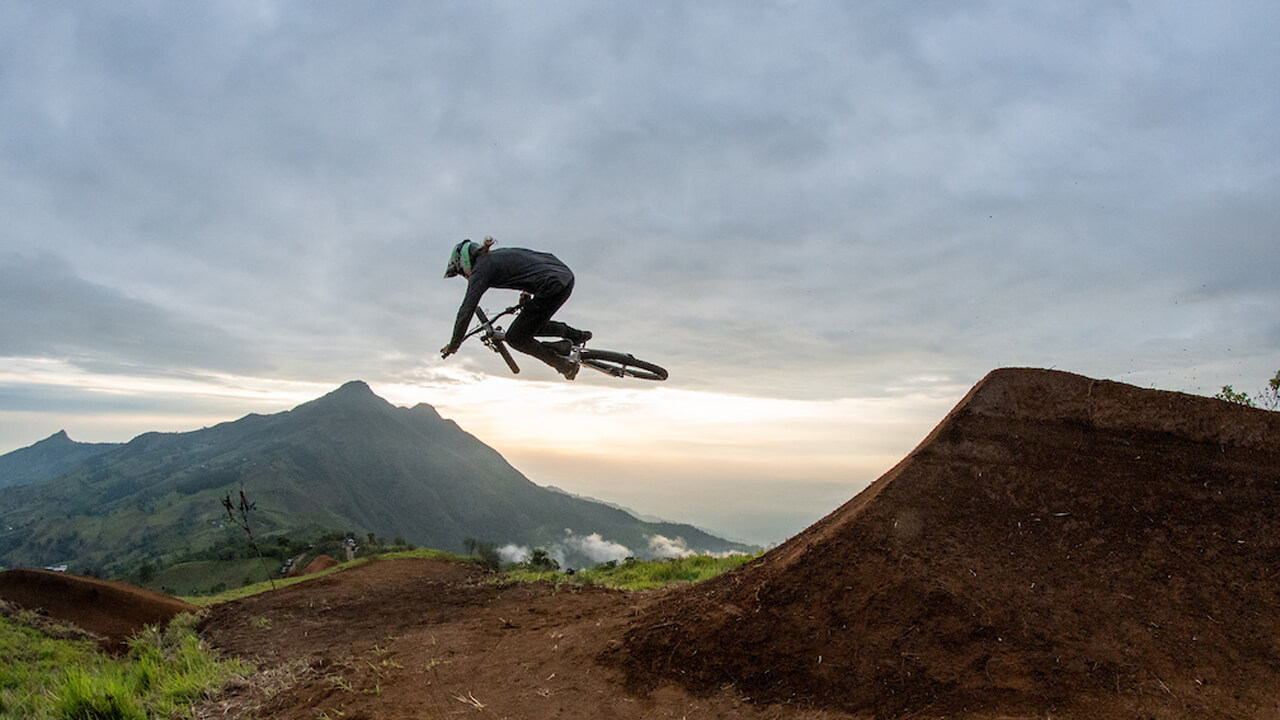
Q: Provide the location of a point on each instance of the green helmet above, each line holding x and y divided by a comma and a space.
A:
460, 259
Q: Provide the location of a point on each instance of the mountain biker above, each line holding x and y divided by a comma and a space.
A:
545, 284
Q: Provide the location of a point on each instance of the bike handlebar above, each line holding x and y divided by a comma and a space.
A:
486, 323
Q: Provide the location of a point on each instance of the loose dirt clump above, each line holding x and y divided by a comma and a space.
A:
112, 610
1057, 546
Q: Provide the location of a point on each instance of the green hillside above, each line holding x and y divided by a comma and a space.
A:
47, 459
210, 576
349, 461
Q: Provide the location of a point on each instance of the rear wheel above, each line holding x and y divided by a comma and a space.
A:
622, 365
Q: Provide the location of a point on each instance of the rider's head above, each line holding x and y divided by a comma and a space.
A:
460, 259
464, 255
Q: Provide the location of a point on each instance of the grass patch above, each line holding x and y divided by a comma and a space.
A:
631, 574
635, 574
163, 674
33, 665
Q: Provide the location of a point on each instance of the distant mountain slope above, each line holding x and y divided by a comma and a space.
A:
47, 459
348, 461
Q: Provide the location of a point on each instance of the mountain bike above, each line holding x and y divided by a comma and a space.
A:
616, 364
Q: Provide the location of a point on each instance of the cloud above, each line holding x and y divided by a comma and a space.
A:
512, 553
53, 313
931, 187
595, 548
571, 550
665, 547
572, 546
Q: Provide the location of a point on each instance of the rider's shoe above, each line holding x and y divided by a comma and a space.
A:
579, 337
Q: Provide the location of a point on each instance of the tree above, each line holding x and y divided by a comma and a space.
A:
242, 520
490, 558
541, 561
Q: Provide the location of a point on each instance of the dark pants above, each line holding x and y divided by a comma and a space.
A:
535, 320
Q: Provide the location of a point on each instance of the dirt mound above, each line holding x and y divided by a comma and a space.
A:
320, 564
114, 610
1056, 545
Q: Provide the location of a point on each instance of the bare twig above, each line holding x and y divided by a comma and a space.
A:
243, 522
470, 700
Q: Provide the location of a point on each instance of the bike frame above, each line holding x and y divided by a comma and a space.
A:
609, 362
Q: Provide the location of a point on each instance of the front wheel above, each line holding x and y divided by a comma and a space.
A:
621, 365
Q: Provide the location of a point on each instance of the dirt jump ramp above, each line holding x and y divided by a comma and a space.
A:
1056, 546
113, 610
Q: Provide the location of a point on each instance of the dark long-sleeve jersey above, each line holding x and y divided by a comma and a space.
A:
509, 269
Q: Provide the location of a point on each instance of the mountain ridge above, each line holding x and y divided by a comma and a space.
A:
348, 461
47, 459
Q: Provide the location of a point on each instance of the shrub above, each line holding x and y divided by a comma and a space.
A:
539, 560
1268, 398
490, 558
1229, 394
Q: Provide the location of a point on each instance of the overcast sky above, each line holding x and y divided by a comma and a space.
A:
828, 220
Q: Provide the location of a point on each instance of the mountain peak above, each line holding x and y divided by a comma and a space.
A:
58, 438
353, 395
47, 459
354, 387
354, 391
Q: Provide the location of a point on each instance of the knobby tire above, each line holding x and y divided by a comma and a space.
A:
621, 365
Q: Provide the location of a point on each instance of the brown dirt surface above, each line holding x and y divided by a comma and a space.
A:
112, 610
437, 639
320, 564
1057, 546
